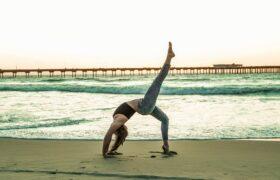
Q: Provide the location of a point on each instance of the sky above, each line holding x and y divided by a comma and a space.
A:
135, 33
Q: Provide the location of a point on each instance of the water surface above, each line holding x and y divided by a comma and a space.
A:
199, 106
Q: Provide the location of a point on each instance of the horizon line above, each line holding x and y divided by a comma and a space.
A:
75, 68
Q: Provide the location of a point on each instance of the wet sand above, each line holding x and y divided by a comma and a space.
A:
196, 159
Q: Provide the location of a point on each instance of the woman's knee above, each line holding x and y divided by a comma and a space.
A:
165, 120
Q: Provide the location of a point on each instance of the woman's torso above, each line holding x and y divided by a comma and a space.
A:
127, 108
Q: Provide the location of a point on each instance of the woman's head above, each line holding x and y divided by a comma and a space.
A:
121, 134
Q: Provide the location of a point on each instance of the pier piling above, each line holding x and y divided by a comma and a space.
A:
141, 71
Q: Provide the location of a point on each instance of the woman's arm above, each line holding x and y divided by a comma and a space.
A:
106, 142
118, 122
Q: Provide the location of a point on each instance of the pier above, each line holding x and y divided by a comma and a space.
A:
92, 72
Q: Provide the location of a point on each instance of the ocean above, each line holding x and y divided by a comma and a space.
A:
198, 106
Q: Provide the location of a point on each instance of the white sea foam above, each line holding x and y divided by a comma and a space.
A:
252, 111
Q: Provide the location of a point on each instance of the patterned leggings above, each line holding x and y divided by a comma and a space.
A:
147, 105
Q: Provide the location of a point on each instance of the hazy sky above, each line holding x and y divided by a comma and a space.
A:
117, 33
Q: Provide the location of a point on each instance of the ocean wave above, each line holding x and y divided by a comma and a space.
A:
141, 89
45, 124
99, 79
223, 90
53, 80
190, 79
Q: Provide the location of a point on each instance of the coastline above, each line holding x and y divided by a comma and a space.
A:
184, 139
196, 159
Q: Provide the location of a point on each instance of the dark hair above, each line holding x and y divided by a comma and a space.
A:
121, 134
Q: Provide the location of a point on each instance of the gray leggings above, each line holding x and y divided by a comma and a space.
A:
147, 105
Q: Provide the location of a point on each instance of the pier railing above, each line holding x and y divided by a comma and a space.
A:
135, 71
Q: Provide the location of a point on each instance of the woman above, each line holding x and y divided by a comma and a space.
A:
143, 106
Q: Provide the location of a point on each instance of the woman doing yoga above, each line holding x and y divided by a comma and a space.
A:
143, 106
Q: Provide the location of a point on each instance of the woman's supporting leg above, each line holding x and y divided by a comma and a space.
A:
147, 104
161, 116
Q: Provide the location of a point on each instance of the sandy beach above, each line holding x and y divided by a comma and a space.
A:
196, 159
201, 76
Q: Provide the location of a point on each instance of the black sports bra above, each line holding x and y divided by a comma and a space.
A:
124, 109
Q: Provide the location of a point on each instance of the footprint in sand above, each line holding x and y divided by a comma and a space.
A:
172, 153
131, 156
115, 153
85, 161
165, 155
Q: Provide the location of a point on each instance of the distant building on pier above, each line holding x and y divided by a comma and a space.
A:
233, 65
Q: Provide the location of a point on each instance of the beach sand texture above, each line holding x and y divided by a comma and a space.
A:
196, 159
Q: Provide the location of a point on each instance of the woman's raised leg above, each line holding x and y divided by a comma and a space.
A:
147, 104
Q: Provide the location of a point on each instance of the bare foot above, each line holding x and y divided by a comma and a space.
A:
165, 149
170, 53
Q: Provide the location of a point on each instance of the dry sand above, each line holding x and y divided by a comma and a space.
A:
196, 159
